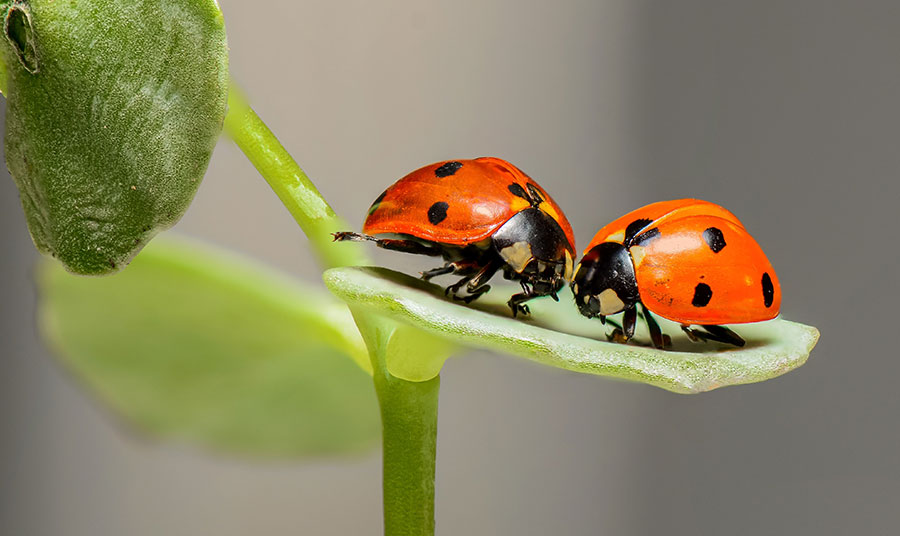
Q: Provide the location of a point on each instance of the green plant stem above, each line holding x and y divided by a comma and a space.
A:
408, 409
310, 210
409, 413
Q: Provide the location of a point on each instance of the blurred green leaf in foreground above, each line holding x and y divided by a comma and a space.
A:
195, 345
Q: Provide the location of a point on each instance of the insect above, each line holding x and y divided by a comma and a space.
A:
687, 260
481, 216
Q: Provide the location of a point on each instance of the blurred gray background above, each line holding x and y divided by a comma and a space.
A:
788, 113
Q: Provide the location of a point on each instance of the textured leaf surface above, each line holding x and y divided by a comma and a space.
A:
557, 335
113, 110
194, 345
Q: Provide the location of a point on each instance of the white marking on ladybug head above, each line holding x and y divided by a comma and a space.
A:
637, 255
610, 303
567, 275
517, 255
618, 238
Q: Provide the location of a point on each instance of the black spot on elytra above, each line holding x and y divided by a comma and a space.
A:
634, 228
447, 169
714, 239
517, 190
645, 237
702, 295
377, 202
768, 290
438, 212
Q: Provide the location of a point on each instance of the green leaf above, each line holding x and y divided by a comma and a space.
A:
113, 110
557, 335
194, 345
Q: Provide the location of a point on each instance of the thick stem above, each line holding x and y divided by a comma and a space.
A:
409, 425
409, 436
408, 409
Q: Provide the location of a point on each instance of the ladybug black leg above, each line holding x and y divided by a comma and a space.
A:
517, 302
455, 287
441, 270
406, 246
656, 334
693, 335
474, 295
617, 334
629, 320
477, 285
714, 333
723, 334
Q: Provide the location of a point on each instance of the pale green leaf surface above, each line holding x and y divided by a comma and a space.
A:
416, 355
557, 335
194, 345
113, 108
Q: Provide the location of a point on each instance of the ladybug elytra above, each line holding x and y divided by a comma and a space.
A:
687, 260
481, 216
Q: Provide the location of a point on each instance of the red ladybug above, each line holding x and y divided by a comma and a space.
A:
481, 216
687, 260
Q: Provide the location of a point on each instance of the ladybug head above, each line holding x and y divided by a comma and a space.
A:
535, 250
604, 282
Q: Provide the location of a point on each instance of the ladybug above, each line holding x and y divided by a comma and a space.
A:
481, 216
687, 260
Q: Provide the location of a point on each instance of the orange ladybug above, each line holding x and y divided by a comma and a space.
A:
687, 260
481, 216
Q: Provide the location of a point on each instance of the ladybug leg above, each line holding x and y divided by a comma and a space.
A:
475, 283
693, 335
516, 303
441, 270
656, 334
406, 246
714, 333
455, 287
629, 320
617, 334
478, 284
474, 295
723, 334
